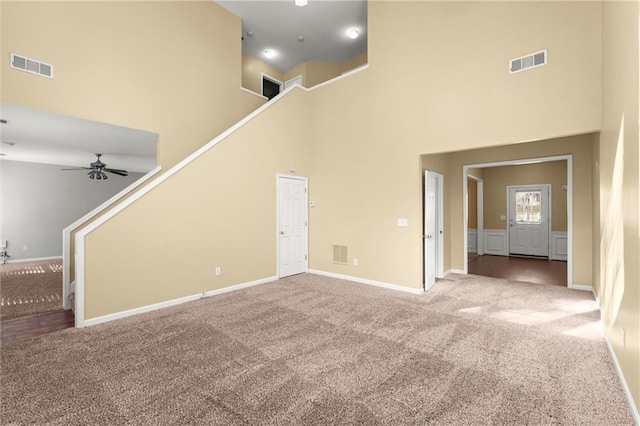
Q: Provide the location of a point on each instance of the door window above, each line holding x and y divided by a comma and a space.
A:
528, 207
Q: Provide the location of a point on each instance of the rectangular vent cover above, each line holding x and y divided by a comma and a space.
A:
340, 254
528, 62
32, 66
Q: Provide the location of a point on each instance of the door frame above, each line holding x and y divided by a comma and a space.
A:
479, 214
569, 159
440, 226
273, 80
306, 218
548, 186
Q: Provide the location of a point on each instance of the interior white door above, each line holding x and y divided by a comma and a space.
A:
430, 237
529, 220
292, 226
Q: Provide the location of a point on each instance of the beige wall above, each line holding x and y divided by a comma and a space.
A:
618, 158
220, 211
496, 180
314, 73
367, 143
472, 214
578, 146
172, 68
252, 70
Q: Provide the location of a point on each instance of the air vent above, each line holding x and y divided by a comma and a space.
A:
528, 62
340, 254
32, 66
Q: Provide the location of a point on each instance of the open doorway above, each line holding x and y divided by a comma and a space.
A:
271, 87
527, 225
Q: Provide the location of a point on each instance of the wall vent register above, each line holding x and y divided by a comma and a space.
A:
32, 66
340, 254
528, 62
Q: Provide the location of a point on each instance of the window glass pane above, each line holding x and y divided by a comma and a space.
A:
528, 207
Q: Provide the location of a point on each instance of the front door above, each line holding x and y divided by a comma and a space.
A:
529, 220
292, 226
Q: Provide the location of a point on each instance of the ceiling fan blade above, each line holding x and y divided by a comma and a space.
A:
117, 172
78, 168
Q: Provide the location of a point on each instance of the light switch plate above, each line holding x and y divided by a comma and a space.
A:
403, 222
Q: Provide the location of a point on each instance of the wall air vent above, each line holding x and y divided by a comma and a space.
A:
528, 62
340, 254
32, 66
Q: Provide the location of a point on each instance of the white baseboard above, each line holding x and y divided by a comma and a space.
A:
168, 303
35, 259
239, 286
368, 282
581, 287
454, 271
623, 381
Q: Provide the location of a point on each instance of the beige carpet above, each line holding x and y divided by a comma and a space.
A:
310, 350
30, 288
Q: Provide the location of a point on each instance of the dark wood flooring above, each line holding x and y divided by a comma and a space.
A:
24, 328
540, 271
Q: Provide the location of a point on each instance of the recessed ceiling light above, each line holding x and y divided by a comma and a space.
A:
300, 39
269, 53
301, 2
353, 34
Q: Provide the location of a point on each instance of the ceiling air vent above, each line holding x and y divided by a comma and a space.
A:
528, 62
32, 66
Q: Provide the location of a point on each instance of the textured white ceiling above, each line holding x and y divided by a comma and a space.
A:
323, 24
36, 136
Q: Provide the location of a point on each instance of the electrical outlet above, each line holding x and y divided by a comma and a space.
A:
218, 271
25, 248
355, 262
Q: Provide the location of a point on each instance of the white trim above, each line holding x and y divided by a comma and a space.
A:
489, 237
549, 221
368, 282
345, 74
455, 271
173, 302
556, 241
306, 218
625, 386
439, 227
66, 233
569, 159
581, 287
35, 259
254, 93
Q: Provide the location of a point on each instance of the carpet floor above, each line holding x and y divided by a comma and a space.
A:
30, 288
312, 350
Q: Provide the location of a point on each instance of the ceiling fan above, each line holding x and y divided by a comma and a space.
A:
97, 170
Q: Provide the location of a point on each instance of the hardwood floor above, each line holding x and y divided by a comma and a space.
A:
540, 271
24, 328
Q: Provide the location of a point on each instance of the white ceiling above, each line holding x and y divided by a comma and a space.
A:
323, 24
45, 137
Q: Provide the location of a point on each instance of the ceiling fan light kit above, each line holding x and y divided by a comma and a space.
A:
97, 170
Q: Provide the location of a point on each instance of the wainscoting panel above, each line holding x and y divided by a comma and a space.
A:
472, 240
559, 246
496, 242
